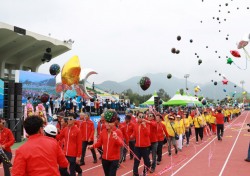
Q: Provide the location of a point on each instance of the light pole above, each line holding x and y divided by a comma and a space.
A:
186, 76
242, 83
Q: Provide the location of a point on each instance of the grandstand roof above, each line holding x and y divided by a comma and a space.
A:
24, 50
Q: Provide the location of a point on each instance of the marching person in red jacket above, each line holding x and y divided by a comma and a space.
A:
129, 126
40, 155
220, 124
161, 133
153, 139
125, 137
73, 145
111, 140
100, 127
142, 138
6, 141
87, 131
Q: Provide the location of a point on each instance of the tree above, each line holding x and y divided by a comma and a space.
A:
163, 95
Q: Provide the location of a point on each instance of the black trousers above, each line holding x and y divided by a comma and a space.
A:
159, 150
141, 152
110, 167
187, 134
198, 132
132, 148
5, 165
84, 147
73, 167
220, 130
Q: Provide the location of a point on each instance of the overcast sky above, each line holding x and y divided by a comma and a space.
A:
124, 38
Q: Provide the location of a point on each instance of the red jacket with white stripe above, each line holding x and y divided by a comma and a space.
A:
161, 131
124, 133
111, 146
129, 129
100, 127
73, 141
142, 135
7, 139
87, 130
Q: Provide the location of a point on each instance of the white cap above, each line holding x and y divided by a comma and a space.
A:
50, 129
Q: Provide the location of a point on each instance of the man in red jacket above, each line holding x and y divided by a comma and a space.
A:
111, 140
129, 126
220, 124
73, 145
40, 155
6, 141
87, 131
142, 138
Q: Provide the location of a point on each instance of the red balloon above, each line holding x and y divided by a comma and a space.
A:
145, 83
224, 81
235, 53
45, 98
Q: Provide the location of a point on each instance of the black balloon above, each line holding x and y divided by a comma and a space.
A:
178, 38
54, 69
200, 98
191, 41
215, 83
219, 74
204, 101
212, 80
199, 61
169, 76
44, 98
235, 86
177, 51
173, 50
145, 83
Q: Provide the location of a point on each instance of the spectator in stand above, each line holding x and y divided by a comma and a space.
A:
74, 104
73, 143
101, 106
142, 138
6, 141
112, 105
63, 104
87, 131
108, 104
80, 105
51, 105
57, 105
92, 105
100, 127
111, 140
44, 159
97, 106
88, 105
129, 130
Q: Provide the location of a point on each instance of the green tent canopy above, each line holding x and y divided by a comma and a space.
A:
151, 100
182, 100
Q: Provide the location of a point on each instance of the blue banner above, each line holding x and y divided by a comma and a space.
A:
1, 96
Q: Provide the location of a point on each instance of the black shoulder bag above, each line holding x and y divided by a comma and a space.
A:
176, 136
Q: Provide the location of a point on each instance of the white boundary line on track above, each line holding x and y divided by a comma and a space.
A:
222, 170
203, 148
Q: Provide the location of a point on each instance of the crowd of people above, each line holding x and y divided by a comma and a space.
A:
93, 106
142, 135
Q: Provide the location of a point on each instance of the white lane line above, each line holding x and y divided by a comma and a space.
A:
202, 149
222, 170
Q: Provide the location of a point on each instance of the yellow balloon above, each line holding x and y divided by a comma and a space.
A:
244, 93
71, 71
196, 89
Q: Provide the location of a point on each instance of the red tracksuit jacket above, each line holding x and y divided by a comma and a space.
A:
40, 155
111, 147
124, 133
142, 135
100, 127
153, 131
7, 139
73, 141
129, 129
161, 130
87, 130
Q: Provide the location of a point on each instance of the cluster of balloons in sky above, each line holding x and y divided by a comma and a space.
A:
70, 76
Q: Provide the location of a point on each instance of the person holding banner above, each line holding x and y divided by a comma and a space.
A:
6, 141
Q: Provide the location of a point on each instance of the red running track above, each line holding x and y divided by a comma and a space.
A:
209, 158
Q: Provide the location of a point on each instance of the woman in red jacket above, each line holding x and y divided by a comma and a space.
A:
142, 138
111, 140
161, 133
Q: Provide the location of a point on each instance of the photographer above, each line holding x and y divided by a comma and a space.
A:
248, 156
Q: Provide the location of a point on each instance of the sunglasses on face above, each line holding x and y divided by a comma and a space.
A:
141, 116
70, 118
151, 115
